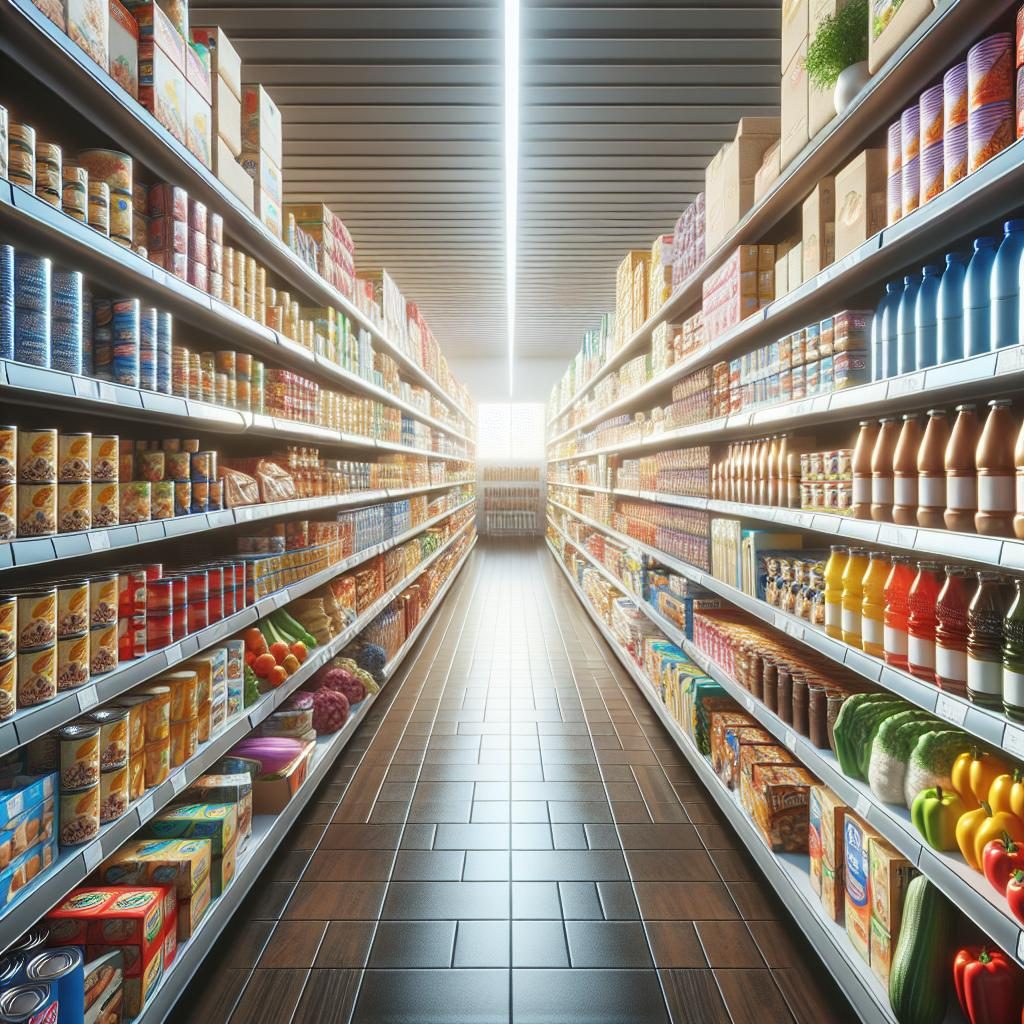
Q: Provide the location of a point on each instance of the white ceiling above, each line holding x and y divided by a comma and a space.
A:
393, 115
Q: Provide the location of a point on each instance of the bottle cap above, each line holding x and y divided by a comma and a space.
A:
909, 416
968, 407
1013, 225
909, 279
838, 547
877, 555
931, 270
984, 243
1000, 402
954, 257
936, 412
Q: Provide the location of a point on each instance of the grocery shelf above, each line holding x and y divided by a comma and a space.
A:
31, 41
268, 832
75, 863
936, 43
785, 873
31, 723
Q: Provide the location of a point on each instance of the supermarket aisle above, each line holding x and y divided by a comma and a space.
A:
519, 840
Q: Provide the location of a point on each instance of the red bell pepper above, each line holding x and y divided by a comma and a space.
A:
988, 985
1015, 894
1001, 858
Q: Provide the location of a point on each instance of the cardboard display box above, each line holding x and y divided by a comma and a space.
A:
819, 218
794, 106
891, 22
860, 200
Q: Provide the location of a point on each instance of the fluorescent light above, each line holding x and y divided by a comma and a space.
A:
511, 177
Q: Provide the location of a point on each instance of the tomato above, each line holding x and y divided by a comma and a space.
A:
264, 665
254, 640
290, 664
300, 650
278, 675
279, 650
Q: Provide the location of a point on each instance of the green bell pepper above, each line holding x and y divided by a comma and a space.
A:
935, 813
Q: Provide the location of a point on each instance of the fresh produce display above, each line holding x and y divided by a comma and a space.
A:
989, 986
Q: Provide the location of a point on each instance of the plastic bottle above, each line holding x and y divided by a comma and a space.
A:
782, 455
862, 452
880, 321
951, 309
897, 594
853, 595
977, 309
882, 471
887, 330
924, 592
1004, 286
872, 608
763, 449
773, 471
833, 575
1013, 655
931, 471
906, 334
746, 471
996, 471
961, 471
1018, 461
904, 471
985, 616
926, 318
951, 629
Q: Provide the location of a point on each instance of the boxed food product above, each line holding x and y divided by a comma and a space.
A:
795, 265
261, 122
162, 88
227, 116
87, 22
24, 868
198, 126
197, 72
891, 21
856, 871
736, 738
781, 795
231, 173
216, 822
819, 223
794, 106
192, 908
19, 792
825, 833
770, 169
224, 60
720, 722
272, 793
758, 756
860, 200
268, 210
264, 172
181, 863
156, 27
104, 988
227, 789
890, 874
222, 870
731, 293
123, 59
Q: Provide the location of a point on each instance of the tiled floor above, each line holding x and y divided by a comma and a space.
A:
512, 836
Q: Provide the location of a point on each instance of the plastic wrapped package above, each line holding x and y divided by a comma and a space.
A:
275, 483
239, 488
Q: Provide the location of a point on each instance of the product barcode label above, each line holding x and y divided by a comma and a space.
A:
790, 739
1013, 740
93, 854
954, 711
862, 806
145, 808
87, 698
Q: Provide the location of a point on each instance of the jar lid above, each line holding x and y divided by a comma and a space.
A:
79, 731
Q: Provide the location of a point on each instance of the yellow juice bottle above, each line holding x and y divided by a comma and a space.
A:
872, 607
853, 595
838, 555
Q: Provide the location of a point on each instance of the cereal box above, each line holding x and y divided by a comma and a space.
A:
781, 794
216, 822
890, 873
182, 863
227, 789
223, 870
856, 876
825, 832
124, 49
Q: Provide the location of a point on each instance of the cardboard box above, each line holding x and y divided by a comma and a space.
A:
216, 822
162, 88
795, 268
268, 210
770, 169
155, 26
264, 172
222, 870
819, 211
104, 983
87, 22
795, 21
821, 107
123, 56
181, 863
891, 22
781, 794
197, 73
198, 126
227, 116
231, 174
261, 123
891, 872
794, 100
272, 795
857, 875
192, 908
860, 200
224, 59
825, 832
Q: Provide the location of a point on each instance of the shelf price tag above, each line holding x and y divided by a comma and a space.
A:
1013, 740
954, 711
748, 702
145, 808
87, 698
790, 739
906, 385
178, 782
92, 855
99, 540
862, 806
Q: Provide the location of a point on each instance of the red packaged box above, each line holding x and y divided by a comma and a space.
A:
167, 235
168, 201
175, 263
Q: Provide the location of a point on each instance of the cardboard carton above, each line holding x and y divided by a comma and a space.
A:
794, 106
770, 169
88, 24
857, 879
819, 215
162, 88
261, 123
860, 200
123, 56
891, 21
821, 106
198, 126
227, 116
224, 60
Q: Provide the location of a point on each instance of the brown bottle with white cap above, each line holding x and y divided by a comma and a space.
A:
861, 507
996, 471
961, 471
931, 471
881, 470
904, 471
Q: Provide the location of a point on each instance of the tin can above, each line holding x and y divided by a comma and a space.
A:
200, 497
37, 676
159, 630
121, 226
158, 712
137, 774
179, 372
99, 207
147, 348
104, 457
103, 599
63, 969
131, 637
12, 970
177, 465
114, 794
21, 155
8, 512
49, 181
72, 662
198, 612
37, 456
74, 507
8, 626
184, 693
114, 737
203, 466
894, 194
37, 510
158, 761
29, 1004
182, 497
75, 192
126, 330
215, 502
990, 130
37, 618
32, 336
135, 501
131, 592
79, 816
105, 505
72, 608
190, 444
163, 499
79, 755
153, 571
150, 465
135, 705
74, 458
35, 938
102, 649
8, 687
184, 741
990, 65
179, 614
910, 166
8, 454
159, 596
1020, 102
109, 165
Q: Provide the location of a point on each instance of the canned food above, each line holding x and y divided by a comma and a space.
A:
29, 1004
163, 500
215, 501
49, 182
114, 794
102, 649
99, 207
79, 816
159, 630
158, 761
121, 217
79, 755
104, 457
135, 501
103, 599
182, 497
179, 607
8, 687
75, 192
37, 676
63, 969
131, 592
8, 626
72, 662
37, 510
200, 497
114, 737
109, 165
150, 465
105, 505
135, 705
159, 596
184, 741
131, 637
74, 458
37, 618
37, 456
184, 694
74, 507
203, 466
177, 465
21, 155
137, 774
8, 511
8, 454
158, 712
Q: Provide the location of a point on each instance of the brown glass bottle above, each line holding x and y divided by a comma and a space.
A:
762, 472
904, 471
994, 458
881, 469
862, 451
961, 471
931, 471
1018, 461
773, 471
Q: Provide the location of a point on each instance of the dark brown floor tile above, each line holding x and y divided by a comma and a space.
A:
418, 837
471, 837
445, 901
336, 901
286, 867
671, 866
694, 996
718, 837
328, 995
362, 837
602, 837
675, 944
700, 812
735, 865
811, 998
632, 813
568, 865
349, 866
429, 866
266, 902
755, 902
778, 946
663, 812
293, 944
211, 997
352, 811
411, 944
269, 996
346, 944
729, 944
685, 901
659, 837
306, 837
594, 996
753, 997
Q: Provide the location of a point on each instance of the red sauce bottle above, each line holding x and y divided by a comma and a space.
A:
924, 592
951, 629
897, 594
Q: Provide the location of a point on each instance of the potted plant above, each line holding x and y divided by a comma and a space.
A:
837, 57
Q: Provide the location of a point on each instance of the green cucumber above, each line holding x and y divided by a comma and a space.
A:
920, 972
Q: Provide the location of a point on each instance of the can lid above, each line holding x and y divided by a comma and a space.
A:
32, 939
11, 966
52, 964
18, 1004
79, 731
105, 715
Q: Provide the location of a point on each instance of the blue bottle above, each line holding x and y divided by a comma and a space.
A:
1005, 286
877, 346
906, 335
887, 329
926, 315
951, 309
977, 308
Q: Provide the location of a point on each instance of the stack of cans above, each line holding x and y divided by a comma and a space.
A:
49, 183
147, 348
66, 311
990, 115
115, 170
32, 309
932, 129
954, 136
164, 350
910, 165
6, 301
126, 329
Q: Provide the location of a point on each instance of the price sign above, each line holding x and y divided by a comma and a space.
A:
172, 655
107, 392
1013, 740
790, 739
954, 711
748, 701
145, 808
862, 806
178, 782
93, 854
906, 385
87, 698
99, 540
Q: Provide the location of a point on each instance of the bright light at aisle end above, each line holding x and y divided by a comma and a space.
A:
511, 177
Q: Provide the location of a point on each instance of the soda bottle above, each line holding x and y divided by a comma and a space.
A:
951, 309
1013, 655
961, 471
904, 470
862, 452
926, 314
995, 461
838, 555
977, 308
924, 592
985, 616
897, 594
906, 334
853, 595
872, 609
931, 471
951, 629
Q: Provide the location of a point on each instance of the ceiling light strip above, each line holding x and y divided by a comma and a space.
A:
511, 177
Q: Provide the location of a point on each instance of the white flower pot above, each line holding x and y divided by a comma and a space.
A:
851, 81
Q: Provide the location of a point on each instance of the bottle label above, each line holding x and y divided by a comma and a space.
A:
1020, 492
881, 490
985, 677
950, 664
921, 652
962, 493
931, 491
833, 614
895, 641
851, 622
872, 631
1013, 688
905, 491
862, 490
995, 493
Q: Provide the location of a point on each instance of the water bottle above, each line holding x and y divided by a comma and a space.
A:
906, 336
977, 308
878, 347
1005, 286
926, 315
887, 331
951, 309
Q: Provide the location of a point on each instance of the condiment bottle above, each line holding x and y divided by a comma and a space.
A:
882, 470
862, 452
904, 468
773, 471
951, 629
897, 594
872, 609
961, 478
924, 592
1013, 655
985, 616
995, 461
931, 471
838, 555
853, 595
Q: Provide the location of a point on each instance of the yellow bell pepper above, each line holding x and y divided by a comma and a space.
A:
973, 773
1007, 793
977, 828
